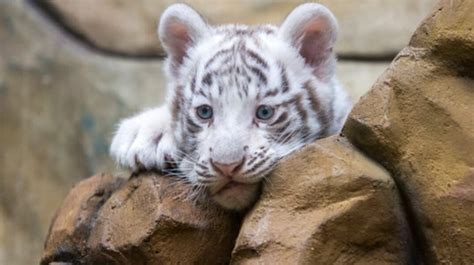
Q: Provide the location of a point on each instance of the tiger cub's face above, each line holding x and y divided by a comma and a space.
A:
244, 97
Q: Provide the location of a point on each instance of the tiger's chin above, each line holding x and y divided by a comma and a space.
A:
237, 196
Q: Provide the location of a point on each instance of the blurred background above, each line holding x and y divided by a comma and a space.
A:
70, 69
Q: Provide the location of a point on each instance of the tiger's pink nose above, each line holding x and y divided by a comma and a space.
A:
227, 170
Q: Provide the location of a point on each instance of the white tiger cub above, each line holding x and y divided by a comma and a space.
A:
240, 98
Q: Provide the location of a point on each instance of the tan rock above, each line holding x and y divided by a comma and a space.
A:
148, 220
418, 121
368, 28
72, 224
326, 204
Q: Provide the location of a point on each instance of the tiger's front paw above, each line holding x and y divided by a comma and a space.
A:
145, 141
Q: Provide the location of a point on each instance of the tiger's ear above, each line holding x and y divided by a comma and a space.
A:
312, 30
179, 29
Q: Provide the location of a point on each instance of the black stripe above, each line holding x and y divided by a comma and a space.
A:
193, 83
255, 70
256, 166
280, 119
283, 128
259, 74
263, 171
265, 29
261, 155
157, 139
300, 108
245, 88
193, 130
176, 103
271, 93
285, 138
226, 70
257, 58
207, 79
218, 54
246, 75
252, 160
201, 166
202, 93
221, 89
284, 80
286, 102
316, 106
305, 132
192, 126
227, 60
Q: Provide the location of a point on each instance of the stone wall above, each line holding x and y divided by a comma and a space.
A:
69, 70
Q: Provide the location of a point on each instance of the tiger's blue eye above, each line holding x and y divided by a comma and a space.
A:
264, 112
204, 112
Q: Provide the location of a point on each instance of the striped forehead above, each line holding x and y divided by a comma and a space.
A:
236, 64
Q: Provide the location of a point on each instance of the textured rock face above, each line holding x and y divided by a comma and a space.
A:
367, 27
418, 122
146, 220
71, 227
327, 204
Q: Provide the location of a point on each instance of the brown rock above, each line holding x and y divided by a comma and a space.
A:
418, 121
72, 224
148, 220
327, 204
368, 28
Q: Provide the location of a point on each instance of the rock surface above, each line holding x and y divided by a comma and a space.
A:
146, 220
418, 122
326, 204
368, 28
71, 227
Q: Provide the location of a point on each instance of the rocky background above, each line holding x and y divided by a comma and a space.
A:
69, 70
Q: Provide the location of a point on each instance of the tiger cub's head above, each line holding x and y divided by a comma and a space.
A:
243, 97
